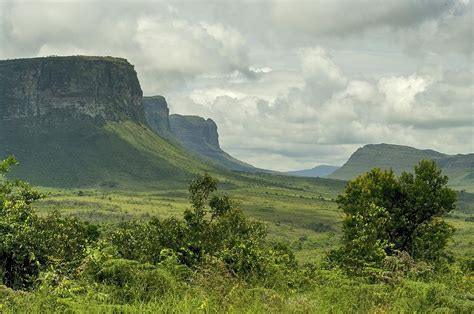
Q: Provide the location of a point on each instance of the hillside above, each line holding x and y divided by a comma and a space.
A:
195, 134
79, 121
318, 171
459, 168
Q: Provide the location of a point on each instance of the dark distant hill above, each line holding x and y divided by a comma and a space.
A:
196, 134
319, 171
459, 168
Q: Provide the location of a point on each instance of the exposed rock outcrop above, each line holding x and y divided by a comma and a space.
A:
52, 88
80, 122
196, 134
194, 130
157, 114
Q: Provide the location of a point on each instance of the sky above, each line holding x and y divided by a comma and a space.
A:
290, 84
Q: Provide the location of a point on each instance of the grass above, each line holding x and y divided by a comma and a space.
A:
299, 211
329, 293
89, 155
150, 179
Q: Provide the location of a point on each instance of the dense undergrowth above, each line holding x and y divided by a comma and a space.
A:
215, 259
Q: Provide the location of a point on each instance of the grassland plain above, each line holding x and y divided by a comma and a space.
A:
299, 211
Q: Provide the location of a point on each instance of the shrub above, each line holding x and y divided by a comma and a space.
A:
385, 215
29, 243
213, 226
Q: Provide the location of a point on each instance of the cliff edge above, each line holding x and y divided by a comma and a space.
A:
64, 88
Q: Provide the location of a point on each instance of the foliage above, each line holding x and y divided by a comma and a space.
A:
386, 215
214, 260
29, 243
212, 227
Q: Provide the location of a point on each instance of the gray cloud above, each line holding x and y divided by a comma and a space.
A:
340, 17
332, 112
291, 84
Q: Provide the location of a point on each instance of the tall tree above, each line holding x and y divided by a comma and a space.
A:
385, 214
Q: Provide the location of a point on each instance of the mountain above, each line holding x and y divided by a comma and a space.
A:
459, 168
195, 134
319, 171
79, 121
157, 114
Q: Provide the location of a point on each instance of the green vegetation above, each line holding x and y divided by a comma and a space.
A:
459, 168
216, 259
387, 216
84, 154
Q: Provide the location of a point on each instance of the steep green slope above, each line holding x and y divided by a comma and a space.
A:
79, 121
459, 168
116, 154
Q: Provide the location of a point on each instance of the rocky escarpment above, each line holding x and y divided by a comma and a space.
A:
80, 122
200, 136
157, 114
195, 131
52, 88
196, 134
190, 131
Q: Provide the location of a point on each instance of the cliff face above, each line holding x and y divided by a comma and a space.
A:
80, 122
157, 114
197, 135
195, 131
52, 88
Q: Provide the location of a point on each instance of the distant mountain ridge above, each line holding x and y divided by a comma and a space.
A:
459, 168
318, 171
197, 135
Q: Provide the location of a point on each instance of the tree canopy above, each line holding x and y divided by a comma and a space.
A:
386, 215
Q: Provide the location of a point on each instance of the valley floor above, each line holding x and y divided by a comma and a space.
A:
309, 220
303, 215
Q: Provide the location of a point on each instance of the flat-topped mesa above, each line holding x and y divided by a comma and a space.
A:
157, 114
64, 88
195, 130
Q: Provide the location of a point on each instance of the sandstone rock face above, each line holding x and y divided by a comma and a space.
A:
197, 135
41, 89
195, 131
157, 114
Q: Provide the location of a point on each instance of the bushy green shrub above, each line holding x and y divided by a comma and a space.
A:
213, 226
29, 243
385, 215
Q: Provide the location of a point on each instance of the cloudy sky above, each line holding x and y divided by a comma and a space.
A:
291, 84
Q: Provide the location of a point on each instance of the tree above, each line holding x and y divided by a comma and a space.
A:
385, 215
213, 228
18, 243
28, 243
